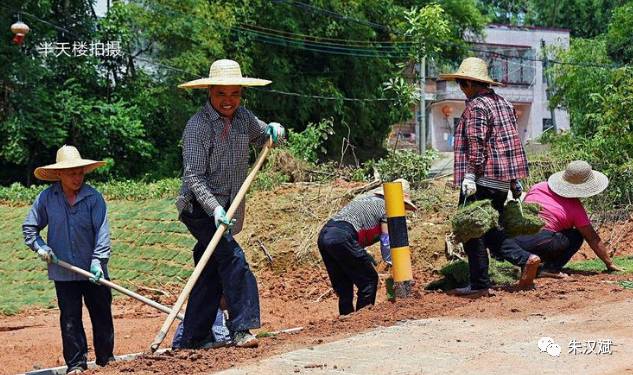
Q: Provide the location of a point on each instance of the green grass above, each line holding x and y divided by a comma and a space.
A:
596, 265
455, 274
149, 247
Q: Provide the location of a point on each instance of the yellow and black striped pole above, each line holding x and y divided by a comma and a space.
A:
398, 239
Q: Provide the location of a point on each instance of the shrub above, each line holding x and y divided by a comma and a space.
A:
307, 144
112, 190
405, 164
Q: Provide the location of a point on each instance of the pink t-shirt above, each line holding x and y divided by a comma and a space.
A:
559, 213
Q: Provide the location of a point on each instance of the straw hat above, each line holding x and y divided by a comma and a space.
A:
67, 157
225, 73
578, 180
405, 190
473, 69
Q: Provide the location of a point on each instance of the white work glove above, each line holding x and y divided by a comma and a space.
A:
219, 217
276, 132
469, 187
46, 254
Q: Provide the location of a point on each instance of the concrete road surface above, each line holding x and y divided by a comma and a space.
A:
594, 340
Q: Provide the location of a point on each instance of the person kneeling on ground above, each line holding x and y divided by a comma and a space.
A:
78, 233
219, 336
341, 243
566, 223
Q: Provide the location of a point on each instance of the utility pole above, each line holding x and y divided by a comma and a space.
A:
549, 84
422, 131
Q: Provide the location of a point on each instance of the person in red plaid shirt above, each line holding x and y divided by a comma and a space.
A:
489, 161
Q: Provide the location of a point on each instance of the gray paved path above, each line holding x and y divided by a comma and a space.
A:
470, 346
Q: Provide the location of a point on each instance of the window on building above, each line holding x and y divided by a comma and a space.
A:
547, 124
508, 64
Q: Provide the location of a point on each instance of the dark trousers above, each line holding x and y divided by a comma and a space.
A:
475, 248
227, 273
347, 264
98, 299
554, 248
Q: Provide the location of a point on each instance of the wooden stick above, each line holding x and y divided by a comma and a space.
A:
219, 232
118, 288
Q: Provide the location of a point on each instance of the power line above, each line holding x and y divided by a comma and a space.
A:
316, 38
340, 49
383, 27
326, 48
325, 97
316, 9
20, 12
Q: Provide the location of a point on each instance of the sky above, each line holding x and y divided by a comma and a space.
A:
101, 7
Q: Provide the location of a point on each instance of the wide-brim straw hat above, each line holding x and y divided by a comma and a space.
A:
578, 180
67, 157
224, 73
473, 69
405, 192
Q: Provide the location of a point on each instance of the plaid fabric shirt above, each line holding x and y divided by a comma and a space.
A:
215, 166
365, 213
487, 143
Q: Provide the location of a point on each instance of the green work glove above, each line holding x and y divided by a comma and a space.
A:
96, 270
46, 254
219, 217
276, 132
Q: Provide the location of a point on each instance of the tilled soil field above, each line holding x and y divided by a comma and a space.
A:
295, 292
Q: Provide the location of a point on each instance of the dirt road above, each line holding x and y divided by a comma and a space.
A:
289, 300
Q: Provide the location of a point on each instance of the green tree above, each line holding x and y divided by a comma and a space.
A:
269, 39
619, 37
578, 78
60, 98
584, 18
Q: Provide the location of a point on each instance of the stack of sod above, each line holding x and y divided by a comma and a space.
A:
516, 223
474, 220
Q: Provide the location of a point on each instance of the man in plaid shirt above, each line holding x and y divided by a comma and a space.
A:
215, 164
489, 161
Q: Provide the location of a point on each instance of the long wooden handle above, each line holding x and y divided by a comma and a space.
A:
219, 232
118, 288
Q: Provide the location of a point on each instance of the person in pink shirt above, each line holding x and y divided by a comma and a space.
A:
566, 224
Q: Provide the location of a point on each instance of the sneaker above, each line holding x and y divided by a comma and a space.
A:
75, 370
468, 292
213, 344
529, 272
245, 339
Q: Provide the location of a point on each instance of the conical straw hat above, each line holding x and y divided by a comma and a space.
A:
405, 191
578, 180
224, 73
67, 157
473, 69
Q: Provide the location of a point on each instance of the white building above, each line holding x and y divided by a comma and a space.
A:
514, 59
